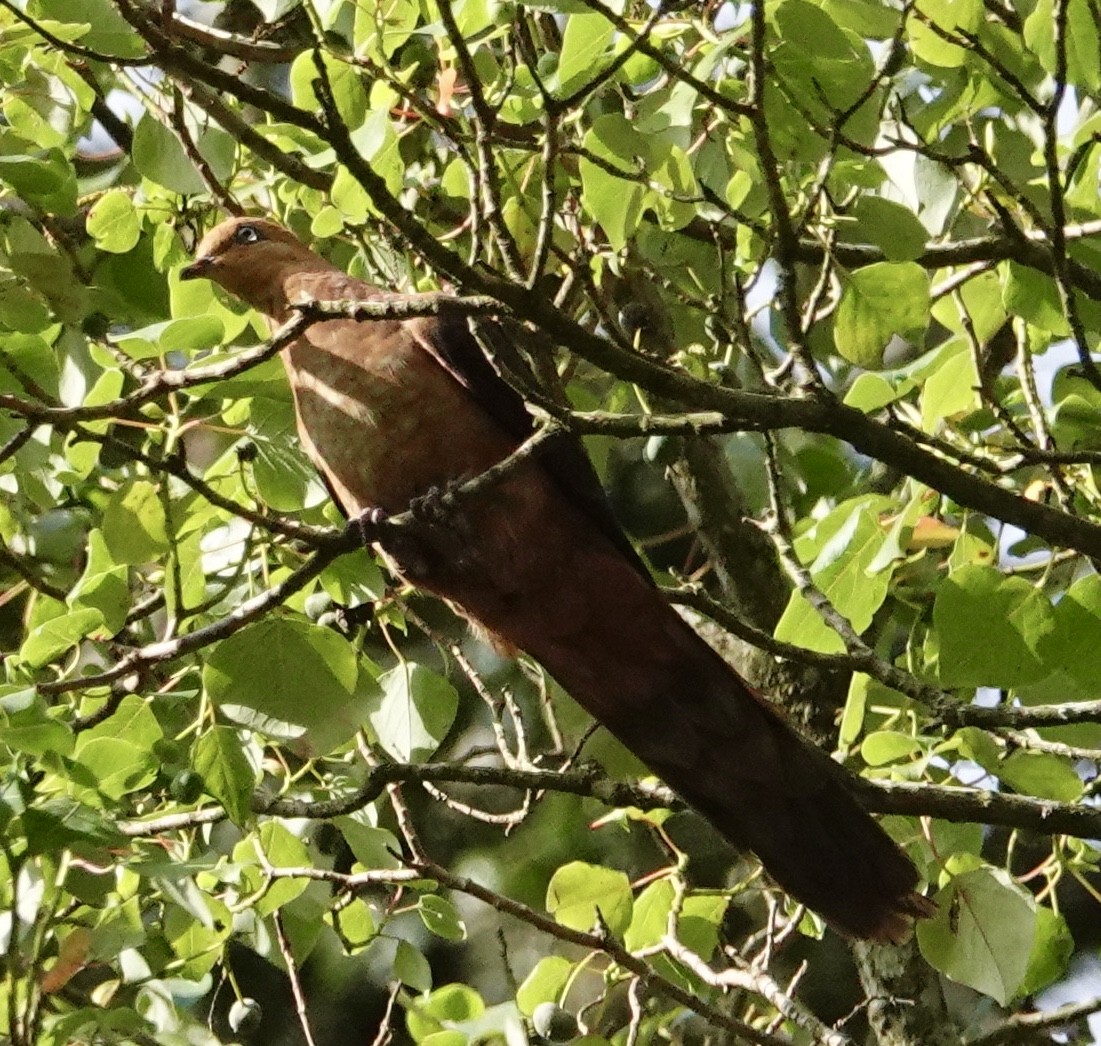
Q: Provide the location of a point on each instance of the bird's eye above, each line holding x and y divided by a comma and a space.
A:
246, 234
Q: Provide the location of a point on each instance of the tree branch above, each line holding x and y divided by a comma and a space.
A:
960, 805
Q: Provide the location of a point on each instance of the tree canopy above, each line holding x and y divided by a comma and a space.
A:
819, 284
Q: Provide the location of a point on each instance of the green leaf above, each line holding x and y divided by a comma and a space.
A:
283, 677
284, 475
63, 823
990, 629
585, 50
344, 81
894, 229
982, 934
37, 259
219, 149
982, 300
107, 30
197, 943
888, 746
350, 198
951, 389
453, 1004
948, 839
415, 712
830, 67
1042, 775
187, 334
978, 746
108, 386
119, 751
856, 706
185, 584
282, 848
948, 16
675, 207
544, 984
697, 921
615, 202
1052, 949
135, 527
410, 967
650, 915
35, 114
1034, 296
1083, 47
1072, 642
159, 155
439, 915
866, 17
119, 927
355, 924
103, 586
46, 735
878, 303
581, 895
1076, 423
25, 356
52, 638
382, 31
27, 726
47, 178
20, 308
219, 759
133, 719
378, 143
450, 1016
354, 579
114, 222
371, 846
842, 570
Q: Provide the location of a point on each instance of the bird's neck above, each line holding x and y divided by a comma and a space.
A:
298, 280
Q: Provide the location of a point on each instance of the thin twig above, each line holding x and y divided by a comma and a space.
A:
760, 983
249, 611
295, 980
1027, 1027
605, 943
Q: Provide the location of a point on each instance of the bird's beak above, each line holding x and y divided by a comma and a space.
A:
198, 269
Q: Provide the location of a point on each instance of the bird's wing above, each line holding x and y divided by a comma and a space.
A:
449, 339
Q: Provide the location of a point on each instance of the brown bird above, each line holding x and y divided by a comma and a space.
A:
393, 410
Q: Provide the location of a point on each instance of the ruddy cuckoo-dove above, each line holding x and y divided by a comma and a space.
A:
390, 410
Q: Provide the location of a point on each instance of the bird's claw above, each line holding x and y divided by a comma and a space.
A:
436, 506
367, 524
401, 543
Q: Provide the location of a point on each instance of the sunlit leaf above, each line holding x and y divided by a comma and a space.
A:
878, 303
582, 896
982, 934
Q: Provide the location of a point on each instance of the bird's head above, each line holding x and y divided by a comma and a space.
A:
249, 257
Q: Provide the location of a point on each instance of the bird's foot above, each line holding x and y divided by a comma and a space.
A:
368, 525
401, 539
436, 506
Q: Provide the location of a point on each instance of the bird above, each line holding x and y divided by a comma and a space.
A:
394, 411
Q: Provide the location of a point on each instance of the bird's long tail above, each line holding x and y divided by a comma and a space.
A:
630, 659
792, 805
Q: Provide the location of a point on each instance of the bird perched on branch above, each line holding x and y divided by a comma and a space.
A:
393, 410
